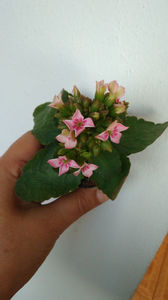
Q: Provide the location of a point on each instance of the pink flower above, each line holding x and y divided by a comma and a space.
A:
116, 90
57, 101
114, 131
78, 123
86, 169
67, 138
63, 164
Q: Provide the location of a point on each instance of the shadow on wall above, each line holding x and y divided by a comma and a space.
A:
105, 257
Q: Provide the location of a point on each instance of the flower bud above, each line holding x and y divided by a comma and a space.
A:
109, 101
75, 91
95, 106
100, 90
107, 146
95, 115
96, 150
91, 143
119, 108
86, 155
83, 138
86, 102
62, 151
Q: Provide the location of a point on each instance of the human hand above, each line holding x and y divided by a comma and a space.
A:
28, 231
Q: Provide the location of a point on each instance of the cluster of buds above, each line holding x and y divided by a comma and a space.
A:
87, 126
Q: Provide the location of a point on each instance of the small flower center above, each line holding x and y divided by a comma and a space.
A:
79, 124
65, 161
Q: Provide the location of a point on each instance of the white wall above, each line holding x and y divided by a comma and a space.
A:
48, 45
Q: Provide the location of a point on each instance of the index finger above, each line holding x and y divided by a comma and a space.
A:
19, 153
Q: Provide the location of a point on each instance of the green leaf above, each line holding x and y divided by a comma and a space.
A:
111, 172
65, 96
39, 181
140, 134
45, 124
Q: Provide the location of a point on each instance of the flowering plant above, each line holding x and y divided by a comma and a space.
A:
85, 143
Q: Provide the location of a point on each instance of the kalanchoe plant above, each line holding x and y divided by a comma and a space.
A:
85, 143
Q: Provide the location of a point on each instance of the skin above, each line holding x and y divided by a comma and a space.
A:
28, 231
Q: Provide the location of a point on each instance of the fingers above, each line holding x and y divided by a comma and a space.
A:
11, 164
67, 209
19, 153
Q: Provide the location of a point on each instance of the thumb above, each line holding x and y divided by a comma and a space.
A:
67, 209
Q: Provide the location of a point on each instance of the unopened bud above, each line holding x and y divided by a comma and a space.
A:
95, 106
95, 115
57, 115
109, 101
86, 154
62, 151
83, 138
100, 90
107, 146
91, 144
119, 108
96, 150
75, 91
104, 112
86, 102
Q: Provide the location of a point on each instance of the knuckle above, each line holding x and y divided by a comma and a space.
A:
86, 201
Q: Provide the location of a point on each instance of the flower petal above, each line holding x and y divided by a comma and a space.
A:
113, 86
61, 138
121, 127
69, 124
103, 136
73, 164
116, 138
88, 122
76, 173
63, 169
70, 143
57, 101
77, 115
78, 130
88, 169
55, 162
120, 92
112, 126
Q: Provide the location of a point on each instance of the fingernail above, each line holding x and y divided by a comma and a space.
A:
101, 196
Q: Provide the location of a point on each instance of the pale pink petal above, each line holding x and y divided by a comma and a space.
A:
78, 130
88, 122
69, 124
61, 138
63, 169
113, 86
76, 173
70, 143
112, 126
92, 167
103, 136
73, 164
99, 84
88, 169
77, 115
120, 92
57, 101
55, 162
120, 127
115, 138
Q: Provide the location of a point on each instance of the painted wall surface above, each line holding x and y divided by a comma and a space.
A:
46, 45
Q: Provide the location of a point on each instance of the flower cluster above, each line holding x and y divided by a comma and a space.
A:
87, 126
